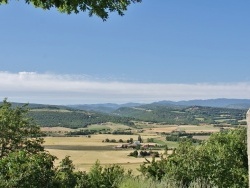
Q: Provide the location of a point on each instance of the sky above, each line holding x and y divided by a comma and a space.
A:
159, 50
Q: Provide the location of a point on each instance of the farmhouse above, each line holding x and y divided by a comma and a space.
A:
136, 144
148, 145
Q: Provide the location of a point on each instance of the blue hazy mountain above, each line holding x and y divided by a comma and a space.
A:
220, 103
106, 107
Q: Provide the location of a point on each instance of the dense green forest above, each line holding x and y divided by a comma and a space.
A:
72, 118
184, 115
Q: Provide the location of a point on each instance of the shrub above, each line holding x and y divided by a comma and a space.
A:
221, 161
109, 176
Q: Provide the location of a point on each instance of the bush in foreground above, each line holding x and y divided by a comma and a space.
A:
221, 161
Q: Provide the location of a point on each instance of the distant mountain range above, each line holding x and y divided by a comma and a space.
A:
111, 107
106, 107
219, 103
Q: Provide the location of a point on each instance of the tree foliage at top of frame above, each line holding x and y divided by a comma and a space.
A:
100, 8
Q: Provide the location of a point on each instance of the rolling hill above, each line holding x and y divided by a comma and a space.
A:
164, 112
183, 115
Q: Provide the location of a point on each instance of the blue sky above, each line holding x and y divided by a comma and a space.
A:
160, 50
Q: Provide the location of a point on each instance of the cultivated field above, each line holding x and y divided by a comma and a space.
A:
86, 151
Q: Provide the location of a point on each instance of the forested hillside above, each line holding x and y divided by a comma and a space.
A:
73, 118
56, 115
184, 115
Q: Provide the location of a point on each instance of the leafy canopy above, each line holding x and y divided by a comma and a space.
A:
25, 170
101, 8
17, 131
221, 161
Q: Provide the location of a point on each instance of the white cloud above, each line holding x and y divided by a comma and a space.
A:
71, 89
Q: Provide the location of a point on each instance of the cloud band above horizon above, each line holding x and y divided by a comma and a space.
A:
72, 89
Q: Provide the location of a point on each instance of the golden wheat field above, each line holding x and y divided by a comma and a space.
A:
86, 151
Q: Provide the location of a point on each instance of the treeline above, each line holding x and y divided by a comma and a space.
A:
102, 131
144, 153
122, 132
180, 136
82, 132
184, 133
